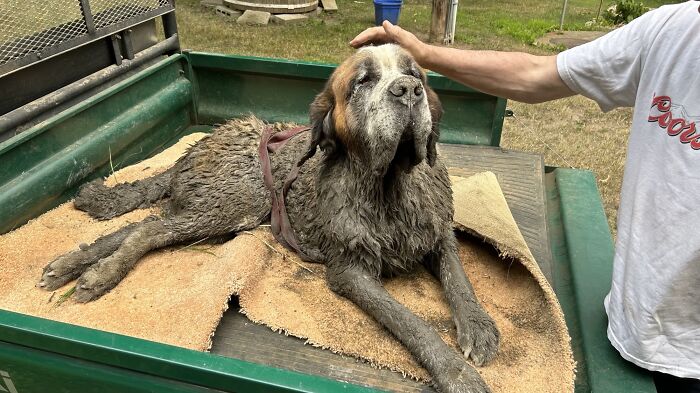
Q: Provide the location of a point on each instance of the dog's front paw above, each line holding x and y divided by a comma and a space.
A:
460, 377
98, 280
64, 269
478, 337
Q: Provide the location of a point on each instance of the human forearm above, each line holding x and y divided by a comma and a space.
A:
513, 75
517, 76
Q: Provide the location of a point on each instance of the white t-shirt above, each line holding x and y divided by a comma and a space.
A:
653, 64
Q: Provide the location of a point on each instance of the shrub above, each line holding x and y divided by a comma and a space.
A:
624, 11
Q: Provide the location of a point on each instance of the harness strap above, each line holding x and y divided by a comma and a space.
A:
279, 220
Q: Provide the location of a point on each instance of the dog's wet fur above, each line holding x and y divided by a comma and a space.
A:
375, 201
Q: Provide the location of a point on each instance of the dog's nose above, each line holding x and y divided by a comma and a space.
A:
406, 89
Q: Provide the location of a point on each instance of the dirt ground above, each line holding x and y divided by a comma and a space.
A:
573, 132
569, 39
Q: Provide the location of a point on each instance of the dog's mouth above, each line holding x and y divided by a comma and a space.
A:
407, 153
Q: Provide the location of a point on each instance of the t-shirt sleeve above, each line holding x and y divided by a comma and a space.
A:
608, 69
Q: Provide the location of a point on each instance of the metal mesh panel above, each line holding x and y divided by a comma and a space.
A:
107, 12
29, 26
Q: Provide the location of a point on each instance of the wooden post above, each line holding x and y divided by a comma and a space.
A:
563, 14
600, 7
438, 21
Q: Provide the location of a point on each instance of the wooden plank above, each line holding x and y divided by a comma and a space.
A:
521, 176
238, 337
329, 5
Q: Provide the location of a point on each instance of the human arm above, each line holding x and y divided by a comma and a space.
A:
513, 75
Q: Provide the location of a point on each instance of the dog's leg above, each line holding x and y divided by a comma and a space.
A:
449, 370
103, 202
146, 236
70, 266
476, 332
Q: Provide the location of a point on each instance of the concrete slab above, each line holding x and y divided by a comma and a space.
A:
288, 18
312, 14
227, 12
257, 18
329, 5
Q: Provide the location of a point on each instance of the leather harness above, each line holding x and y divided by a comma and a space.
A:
279, 220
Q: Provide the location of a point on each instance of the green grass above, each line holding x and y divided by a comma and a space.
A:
526, 32
481, 24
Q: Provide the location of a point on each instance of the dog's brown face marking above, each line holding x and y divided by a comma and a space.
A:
378, 108
342, 79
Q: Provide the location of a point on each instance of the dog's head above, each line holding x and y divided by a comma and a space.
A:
378, 109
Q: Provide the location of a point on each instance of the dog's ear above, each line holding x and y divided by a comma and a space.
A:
323, 133
436, 115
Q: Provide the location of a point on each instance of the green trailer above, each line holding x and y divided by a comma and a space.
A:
135, 95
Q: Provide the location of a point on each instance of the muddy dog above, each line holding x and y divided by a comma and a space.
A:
375, 202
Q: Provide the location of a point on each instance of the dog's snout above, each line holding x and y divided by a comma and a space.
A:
406, 89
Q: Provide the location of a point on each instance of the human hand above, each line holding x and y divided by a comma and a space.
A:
387, 33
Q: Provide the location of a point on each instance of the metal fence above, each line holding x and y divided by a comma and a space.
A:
32, 30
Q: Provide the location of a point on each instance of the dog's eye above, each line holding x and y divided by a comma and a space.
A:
364, 79
414, 72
